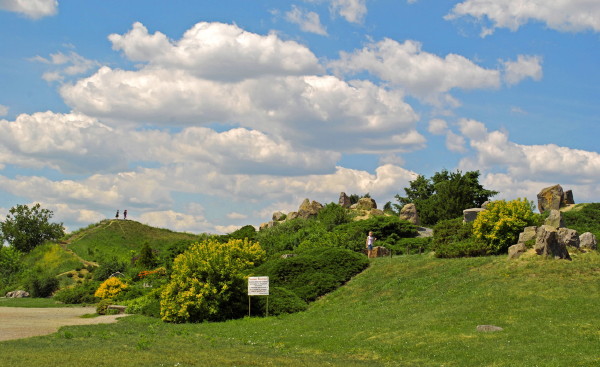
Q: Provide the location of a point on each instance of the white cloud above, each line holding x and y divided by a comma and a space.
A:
308, 21
176, 221
524, 67
3, 110
33, 9
354, 11
437, 127
218, 51
70, 64
573, 15
455, 142
235, 215
421, 74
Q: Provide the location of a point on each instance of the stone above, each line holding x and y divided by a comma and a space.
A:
376, 213
278, 216
469, 215
568, 198
555, 219
488, 328
528, 234
287, 256
366, 204
517, 250
568, 237
546, 244
292, 215
588, 241
550, 198
344, 200
485, 204
409, 213
309, 209
380, 251
17, 294
263, 226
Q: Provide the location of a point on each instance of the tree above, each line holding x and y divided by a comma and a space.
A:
147, 259
445, 195
25, 228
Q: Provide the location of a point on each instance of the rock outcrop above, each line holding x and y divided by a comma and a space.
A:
309, 209
555, 219
554, 197
410, 214
17, 294
588, 241
547, 244
366, 204
344, 200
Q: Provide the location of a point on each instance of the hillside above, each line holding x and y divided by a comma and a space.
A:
405, 311
121, 239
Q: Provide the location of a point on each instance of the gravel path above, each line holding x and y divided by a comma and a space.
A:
21, 322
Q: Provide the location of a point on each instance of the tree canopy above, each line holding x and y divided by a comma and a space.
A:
445, 195
25, 228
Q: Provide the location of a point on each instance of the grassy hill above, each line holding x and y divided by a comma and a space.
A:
404, 311
121, 239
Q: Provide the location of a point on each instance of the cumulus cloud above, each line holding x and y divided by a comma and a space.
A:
437, 127
3, 110
455, 142
421, 74
182, 222
308, 21
525, 67
217, 51
34, 9
573, 16
354, 11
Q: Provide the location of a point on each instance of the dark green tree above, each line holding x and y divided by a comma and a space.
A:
147, 259
25, 228
445, 195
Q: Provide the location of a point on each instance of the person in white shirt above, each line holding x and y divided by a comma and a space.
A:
369, 244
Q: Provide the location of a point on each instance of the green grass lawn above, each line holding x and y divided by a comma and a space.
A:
32, 303
404, 311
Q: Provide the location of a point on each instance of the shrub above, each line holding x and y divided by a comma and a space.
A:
147, 259
147, 305
332, 215
109, 268
384, 228
584, 218
110, 288
208, 281
408, 245
80, 293
288, 235
41, 285
499, 226
465, 248
10, 264
281, 301
102, 306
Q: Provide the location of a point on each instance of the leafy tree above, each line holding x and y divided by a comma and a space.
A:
445, 195
147, 259
25, 228
10, 264
208, 281
499, 226
332, 215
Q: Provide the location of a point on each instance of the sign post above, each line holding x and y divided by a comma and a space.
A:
258, 286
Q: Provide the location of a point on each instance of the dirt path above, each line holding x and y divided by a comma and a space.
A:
21, 322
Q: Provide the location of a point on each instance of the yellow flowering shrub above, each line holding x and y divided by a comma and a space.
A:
208, 282
110, 288
499, 226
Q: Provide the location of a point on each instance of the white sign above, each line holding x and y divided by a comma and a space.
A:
258, 286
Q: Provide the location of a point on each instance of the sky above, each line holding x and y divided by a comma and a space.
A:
204, 116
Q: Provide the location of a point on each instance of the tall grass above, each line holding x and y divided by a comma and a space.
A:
402, 311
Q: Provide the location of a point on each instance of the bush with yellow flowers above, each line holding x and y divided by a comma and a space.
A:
110, 288
502, 221
208, 281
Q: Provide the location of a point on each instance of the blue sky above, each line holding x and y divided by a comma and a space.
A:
206, 116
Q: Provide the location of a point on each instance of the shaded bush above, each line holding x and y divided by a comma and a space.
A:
108, 268
102, 306
281, 301
147, 305
386, 229
584, 218
405, 246
41, 285
80, 293
466, 248
333, 215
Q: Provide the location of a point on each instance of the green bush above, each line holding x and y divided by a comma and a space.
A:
281, 301
465, 248
502, 221
102, 306
414, 245
386, 229
453, 238
288, 235
40, 284
11, 265
584, 218
147, 305
313, 272
332, 215
108, 268
78, 294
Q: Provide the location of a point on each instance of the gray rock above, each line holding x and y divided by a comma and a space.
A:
292, 215
546, 244
469, 215
555, 219
550, 198
366, 204
344, 200
568, 198
568, 237
278, 216
309, 209
485, 204
588, 241
410, 214
488, 328
528, 233
517, 250
17, 294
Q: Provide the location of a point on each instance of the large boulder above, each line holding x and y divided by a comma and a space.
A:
588, 241
366, 204
568, 198
309, 209
528, 233
547, 244
380, 251
469, 215
410, 214
550, 198
517, 250
344, 200
17, 294
568, 237
278, 216
555, 219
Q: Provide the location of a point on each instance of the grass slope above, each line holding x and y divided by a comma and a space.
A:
121, 239
405, 311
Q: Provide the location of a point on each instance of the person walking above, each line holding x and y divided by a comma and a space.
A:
117, 215
125, 214
369, 244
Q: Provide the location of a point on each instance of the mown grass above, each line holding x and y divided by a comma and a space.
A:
121, 239
404, 311
32, 303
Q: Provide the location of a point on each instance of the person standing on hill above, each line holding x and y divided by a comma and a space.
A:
125, 214
117, 215
369, 244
